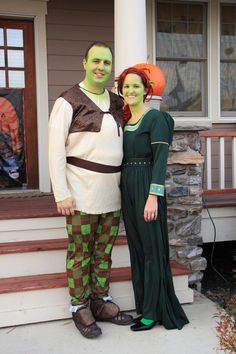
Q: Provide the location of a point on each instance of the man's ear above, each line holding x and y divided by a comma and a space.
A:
84, 63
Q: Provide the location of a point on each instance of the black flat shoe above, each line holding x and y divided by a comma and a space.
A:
139, 326
137, 319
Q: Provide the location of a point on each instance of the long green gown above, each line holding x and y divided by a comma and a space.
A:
146, 146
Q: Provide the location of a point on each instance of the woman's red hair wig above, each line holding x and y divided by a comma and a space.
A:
146, 83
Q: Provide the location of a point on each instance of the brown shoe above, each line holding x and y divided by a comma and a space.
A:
85, 322
108, 311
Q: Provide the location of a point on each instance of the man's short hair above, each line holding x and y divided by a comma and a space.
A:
97, 44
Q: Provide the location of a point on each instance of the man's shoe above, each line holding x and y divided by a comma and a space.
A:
141, 327
108, 311
122, 319
85, 323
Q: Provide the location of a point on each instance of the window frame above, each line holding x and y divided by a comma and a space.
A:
213, 66
203, 61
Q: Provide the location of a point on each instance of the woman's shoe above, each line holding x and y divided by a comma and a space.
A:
137, 319
139, 326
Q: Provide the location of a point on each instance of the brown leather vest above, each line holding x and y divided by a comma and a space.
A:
87, 116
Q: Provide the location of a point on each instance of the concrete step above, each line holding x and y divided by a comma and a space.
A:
25, 258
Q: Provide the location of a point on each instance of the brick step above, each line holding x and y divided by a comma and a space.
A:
219, 198
58, 280
45, 297
27, 206
43, 245
27, 258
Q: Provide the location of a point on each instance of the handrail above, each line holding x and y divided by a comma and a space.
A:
221, 135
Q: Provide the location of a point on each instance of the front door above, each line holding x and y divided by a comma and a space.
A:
18, 124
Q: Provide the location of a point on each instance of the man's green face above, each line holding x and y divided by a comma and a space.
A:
98, 66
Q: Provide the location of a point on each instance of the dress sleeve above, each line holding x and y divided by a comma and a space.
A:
161, 137
59, 124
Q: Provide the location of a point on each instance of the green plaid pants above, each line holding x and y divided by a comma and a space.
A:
90, 243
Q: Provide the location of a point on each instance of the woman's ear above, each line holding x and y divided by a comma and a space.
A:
84, 63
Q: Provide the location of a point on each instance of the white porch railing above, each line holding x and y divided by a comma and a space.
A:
220, 163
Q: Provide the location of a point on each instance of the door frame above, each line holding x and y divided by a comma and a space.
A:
36, 10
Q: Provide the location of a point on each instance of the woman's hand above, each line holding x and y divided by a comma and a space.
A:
66, 206
151, 208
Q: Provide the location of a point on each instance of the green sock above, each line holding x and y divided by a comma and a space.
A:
146, 321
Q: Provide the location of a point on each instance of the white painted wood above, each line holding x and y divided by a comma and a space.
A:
234, 162
225, 222
208, 159
222, 162
32, 229
29, 235
45, 262
132, 27
51, 304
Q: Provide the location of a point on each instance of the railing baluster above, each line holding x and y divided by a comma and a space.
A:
208, 135
222, 162
208, 159
234, 162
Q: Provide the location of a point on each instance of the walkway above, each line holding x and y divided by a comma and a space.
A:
61, 337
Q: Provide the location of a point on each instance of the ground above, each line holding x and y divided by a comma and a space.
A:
219, 281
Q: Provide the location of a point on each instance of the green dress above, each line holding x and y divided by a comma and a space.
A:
146, 146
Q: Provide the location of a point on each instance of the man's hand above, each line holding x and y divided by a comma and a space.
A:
151, 208
66, 206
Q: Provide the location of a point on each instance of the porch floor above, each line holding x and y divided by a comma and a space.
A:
59, 337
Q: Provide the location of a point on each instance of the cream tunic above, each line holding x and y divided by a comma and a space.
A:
94, 192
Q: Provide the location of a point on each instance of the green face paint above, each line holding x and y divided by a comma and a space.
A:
133, 90
98, 67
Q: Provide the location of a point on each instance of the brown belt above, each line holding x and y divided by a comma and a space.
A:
92, 166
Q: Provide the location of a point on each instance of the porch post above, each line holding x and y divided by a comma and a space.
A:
130, 34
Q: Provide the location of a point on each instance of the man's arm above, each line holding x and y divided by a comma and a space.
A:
59, 124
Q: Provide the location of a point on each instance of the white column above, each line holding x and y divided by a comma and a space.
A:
130, 34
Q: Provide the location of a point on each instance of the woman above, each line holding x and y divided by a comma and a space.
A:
147, 137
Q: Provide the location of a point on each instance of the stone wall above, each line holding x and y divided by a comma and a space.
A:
184, 198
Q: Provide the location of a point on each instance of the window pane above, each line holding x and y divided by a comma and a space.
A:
180, 12
228, 47
164, 11
183, 38
228, 86
195, 13
2, 58
181, 45
1, 37
227, 14
16, 78
2, 78
183, 89
14, 38
15, 58
228, 60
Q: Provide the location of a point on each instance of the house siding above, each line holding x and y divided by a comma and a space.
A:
71, 27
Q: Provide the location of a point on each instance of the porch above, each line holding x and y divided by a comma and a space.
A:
219, 189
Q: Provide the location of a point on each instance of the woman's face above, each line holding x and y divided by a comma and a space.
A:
133, 90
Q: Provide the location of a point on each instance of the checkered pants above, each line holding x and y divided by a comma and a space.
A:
91, 239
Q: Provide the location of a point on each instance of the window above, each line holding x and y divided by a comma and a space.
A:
18, 127
181, 53
228, 59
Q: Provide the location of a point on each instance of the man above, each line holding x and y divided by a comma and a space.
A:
85, 154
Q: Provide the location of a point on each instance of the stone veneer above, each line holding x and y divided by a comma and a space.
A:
184, 199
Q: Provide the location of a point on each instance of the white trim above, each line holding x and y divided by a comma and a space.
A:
37, 10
